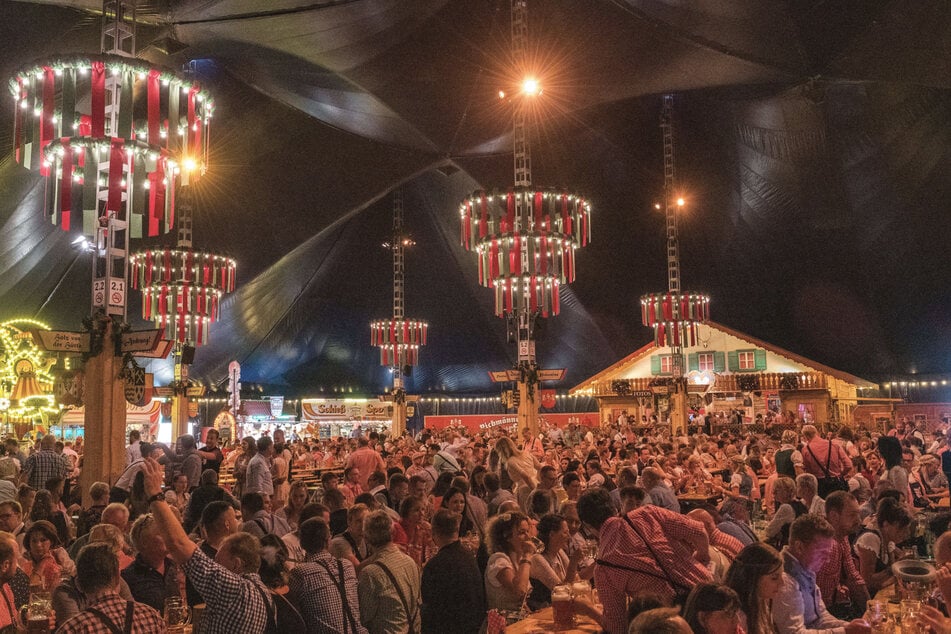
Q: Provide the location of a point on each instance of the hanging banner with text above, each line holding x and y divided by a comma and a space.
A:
345, 410
485, 422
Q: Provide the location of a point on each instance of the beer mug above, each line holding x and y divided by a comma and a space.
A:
562, 610
176, 614
38, 616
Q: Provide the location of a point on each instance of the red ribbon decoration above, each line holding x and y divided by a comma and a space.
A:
154, 99
148, 268
538, 210
66, 186
98, 98
514, 264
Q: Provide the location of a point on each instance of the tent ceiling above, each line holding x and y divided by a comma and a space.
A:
812, 137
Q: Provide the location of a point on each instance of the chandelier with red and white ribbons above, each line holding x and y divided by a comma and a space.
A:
525, 239
181, 290
399, 340
111, 133
675, 316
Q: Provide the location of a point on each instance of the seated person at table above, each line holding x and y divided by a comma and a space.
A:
799, 608
695, 476
659, 621
712, 608
553, 566
661, 495
788, 509
735, 521
875, 548
97, 575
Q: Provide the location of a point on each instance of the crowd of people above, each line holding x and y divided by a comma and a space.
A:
451, 531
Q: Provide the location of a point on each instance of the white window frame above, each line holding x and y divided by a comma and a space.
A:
706, 362
746, 360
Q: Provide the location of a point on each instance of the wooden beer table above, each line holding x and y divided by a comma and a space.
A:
543, 621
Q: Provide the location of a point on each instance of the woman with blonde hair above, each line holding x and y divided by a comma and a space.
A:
296, 500
521, 468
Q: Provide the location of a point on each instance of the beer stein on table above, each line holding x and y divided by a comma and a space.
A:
562, 608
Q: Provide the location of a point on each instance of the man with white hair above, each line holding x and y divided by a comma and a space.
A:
807, 490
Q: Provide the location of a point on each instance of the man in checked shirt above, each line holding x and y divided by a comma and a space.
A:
649, 551
235, 599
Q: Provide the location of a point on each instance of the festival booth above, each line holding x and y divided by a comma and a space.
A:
479, 423
145, 419
730, 374
928, 417
261, 417
345, 417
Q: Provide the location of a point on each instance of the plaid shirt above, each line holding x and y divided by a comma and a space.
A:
43, 465
320, 600
839, 570
145, 620
673, 537
233, 603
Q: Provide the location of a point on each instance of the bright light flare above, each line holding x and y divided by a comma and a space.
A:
189, 164
530, 86
680, 202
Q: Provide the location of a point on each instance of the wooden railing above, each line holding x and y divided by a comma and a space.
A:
772, 381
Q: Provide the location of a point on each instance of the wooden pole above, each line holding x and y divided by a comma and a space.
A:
105, 417
527, 409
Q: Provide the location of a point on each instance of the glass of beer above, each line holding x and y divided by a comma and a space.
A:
562, 610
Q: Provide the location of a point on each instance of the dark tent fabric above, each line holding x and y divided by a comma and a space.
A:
811, 142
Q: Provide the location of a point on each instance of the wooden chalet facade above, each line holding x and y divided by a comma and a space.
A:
727, 370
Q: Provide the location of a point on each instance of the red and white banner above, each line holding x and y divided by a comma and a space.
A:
484, 422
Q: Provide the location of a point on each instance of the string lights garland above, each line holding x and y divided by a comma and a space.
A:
182, 289
546, 225
76, 122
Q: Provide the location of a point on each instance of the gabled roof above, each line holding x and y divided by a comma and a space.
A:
646, 350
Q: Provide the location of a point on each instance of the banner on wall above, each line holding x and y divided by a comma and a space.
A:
485, 422
340, 409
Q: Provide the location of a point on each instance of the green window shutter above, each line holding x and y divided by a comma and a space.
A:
655, 364
734, 360
719, 362
693, 362
759, 358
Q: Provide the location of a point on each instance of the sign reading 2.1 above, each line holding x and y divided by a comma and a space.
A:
116, 293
